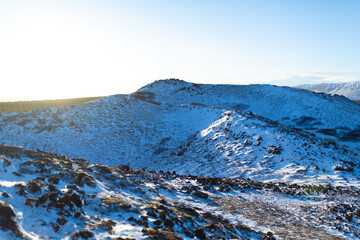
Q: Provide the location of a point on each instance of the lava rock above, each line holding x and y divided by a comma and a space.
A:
34, 186
7, 222
157, 222
30, 201
75, 198
5, 195
268, 236
61, 220
168, 223
201, 194
84, 234
199, 233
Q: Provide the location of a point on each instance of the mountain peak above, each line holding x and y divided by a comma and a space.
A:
166, 82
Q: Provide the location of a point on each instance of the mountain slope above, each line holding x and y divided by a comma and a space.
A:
48, 196
349, 90
334, 117
171, 128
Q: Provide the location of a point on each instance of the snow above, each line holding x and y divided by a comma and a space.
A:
188, 128
257, 209
257, 132
350, 90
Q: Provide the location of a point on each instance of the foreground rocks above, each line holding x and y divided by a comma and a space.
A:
59, 197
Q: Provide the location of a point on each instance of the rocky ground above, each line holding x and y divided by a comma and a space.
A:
49, 196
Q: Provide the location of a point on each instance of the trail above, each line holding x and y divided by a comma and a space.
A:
284, 223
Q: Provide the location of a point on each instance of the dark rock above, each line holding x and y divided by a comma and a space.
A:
160, 234
168, 223
125, 205
84, 178
56, 227
30, 201
145, 218
188, 233
349, 216
6, 162
108, 224
34, 186
163, 215
225, 188
7, 222
339, 218
59, 205
268, 236
190, 211
199, 233
6, 211
52, 188
247, 142
157, 222
61, 220
54, 180
142, 223
43, 198
72, 186
20, 190
75, 198
66, 199
5, 195
77, 214
53, 197
201, 194
84, 234
274, 150
344, 167
17, 174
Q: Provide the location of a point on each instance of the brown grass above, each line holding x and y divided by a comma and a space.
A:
25, 106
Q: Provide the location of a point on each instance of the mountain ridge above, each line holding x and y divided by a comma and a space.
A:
350, 90
157, 125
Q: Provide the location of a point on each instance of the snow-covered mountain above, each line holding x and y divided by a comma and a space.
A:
207, 130
178, 160
333, 117
349, 90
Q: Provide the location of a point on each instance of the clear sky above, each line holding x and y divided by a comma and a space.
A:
73, 48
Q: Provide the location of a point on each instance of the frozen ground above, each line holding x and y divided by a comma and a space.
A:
48, 196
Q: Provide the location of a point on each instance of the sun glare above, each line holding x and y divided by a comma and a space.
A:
49, 57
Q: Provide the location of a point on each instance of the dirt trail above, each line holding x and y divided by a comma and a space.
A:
283, 223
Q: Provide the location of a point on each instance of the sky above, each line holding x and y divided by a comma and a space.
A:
75, 48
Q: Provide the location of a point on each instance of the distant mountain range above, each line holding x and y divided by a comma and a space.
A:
349, 90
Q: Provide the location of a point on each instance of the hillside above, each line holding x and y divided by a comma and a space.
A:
24, 106
178, 126
333, 117
349, 90
49, 196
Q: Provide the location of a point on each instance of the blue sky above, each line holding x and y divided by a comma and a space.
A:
57, 49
